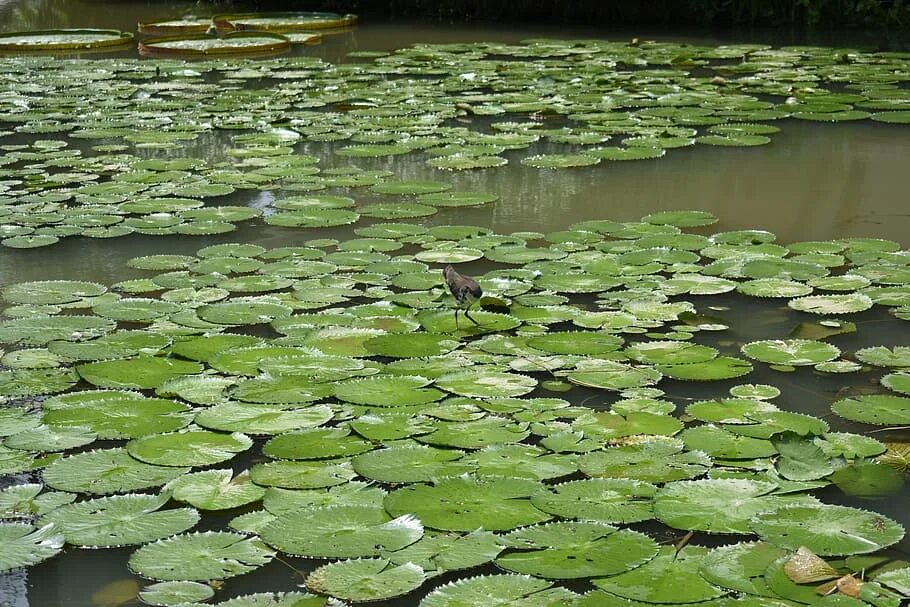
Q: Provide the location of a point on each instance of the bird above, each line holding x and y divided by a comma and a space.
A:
464, 289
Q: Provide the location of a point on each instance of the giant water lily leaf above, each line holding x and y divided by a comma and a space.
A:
827, 529
316, 443
120, 520
613, 500
191, 447
480, 384
129, 416
740, 567
215, 489
718, 505
366, 579
794, 352
505, 589
722, 367
410, 464
24, 501
253, 418
43, 329
141, 372
658, 581
388, 391
22, 544
107, 471
51, 291
465, 503
341, 532
879, 409
170, 593
568, 550
653, 461
213, 555
302, 475
440, 552
476, 434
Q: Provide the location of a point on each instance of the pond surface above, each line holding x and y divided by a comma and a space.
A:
813, 182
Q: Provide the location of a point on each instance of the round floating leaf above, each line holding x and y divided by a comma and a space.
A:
722, 367
172, 593
773, 287
242, 312
188, 448
366, 579
51, 291
740, 567
476, 434
459, 162
457, 199
653, 461
576, 342
410, 464
827, 530
630, 153
504, 589
303, 475
718, 505
880, 356
486, 384
215, 489
213, 555
388, 391
868, 480
107, 471
465, 503
897, 382
613, 500
41, 330
127, 416
559, 161
141, 372
795, 352
832, 304
34, 382
22, 545
120, 520
610, 375
24, 501
569, 550
878, 409
681, 219
312, 217
262, 418
316, 443
410, 187
341, 532
670, 352
410, 345
728, 410
658, 581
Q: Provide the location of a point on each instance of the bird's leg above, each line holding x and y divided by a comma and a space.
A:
456, 319
468, 316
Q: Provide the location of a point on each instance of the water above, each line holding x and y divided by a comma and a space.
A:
813, 182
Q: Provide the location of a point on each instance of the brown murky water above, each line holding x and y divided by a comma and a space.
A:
814, 181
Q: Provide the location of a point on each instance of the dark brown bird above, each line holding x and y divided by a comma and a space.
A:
464, 289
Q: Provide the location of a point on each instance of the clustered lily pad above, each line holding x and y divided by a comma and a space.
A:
352, 417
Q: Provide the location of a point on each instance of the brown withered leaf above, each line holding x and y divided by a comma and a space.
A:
805, 567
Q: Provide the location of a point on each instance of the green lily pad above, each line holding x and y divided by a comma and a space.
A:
188, 448
107, 471
464, 503
120, 520
568, 550
213, 555
827, 530
658, 580
878, 409
341, 532
366, 579
612, 500
22, 545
